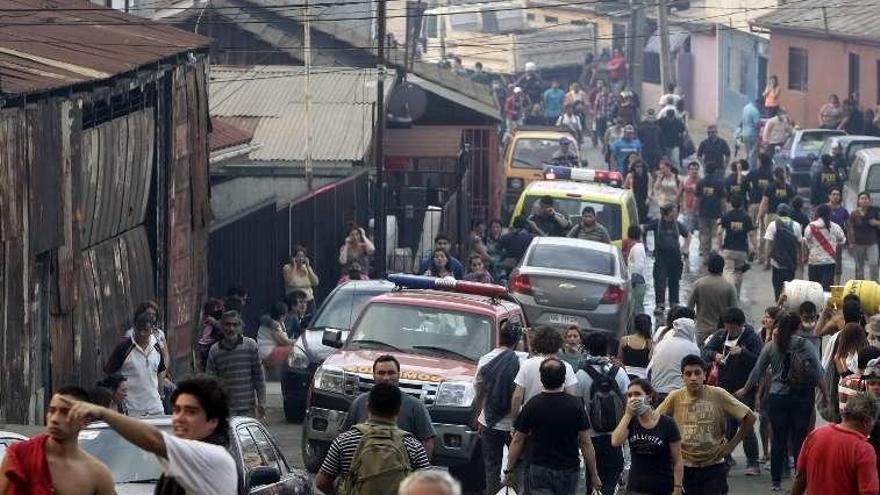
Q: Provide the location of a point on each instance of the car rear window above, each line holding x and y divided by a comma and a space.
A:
873, 182
608, 214
571, 258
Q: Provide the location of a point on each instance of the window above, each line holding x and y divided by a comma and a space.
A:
572, 259
618, 36
265, 448
854, 69
737, 70
549, 19
651, 68
249, 453
798, 68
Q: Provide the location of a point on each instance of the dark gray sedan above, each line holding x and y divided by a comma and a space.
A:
262, 468
563, 282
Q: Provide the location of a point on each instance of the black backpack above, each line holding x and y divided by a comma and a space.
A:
606, 405
797, 372
666, 239
785, 245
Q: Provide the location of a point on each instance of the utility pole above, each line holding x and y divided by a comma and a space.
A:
381, 247
636, 45
307, 56
666, 75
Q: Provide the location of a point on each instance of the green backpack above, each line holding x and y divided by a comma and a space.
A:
380, 462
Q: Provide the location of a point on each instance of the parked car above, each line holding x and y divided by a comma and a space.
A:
7, 438
799, 152
262, 468
851, 146
864, 176
562, 282
338, 312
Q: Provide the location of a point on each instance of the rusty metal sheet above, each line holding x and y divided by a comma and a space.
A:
105, 202
57, 43
120, 165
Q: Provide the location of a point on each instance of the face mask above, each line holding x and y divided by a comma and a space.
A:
642, 407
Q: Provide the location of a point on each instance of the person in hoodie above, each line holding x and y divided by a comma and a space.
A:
609, 459
735, 350
664, 370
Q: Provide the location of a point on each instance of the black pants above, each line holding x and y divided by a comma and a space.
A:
667, 273
824, 274
790, 422
710, 480
609, 463
780, 276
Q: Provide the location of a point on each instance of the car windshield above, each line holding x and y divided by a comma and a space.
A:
128, 463
424, 330
571, 258
534, 153
607, 214
873, 182
342, 309
812, 142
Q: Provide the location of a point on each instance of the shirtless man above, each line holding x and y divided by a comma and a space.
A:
53, 462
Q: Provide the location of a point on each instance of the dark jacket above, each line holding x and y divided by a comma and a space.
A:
734, 373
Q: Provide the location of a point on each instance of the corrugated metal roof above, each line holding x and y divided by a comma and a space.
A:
225, 134
50, 44
341, 120
817, 16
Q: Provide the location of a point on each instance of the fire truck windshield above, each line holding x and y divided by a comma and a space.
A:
423, 330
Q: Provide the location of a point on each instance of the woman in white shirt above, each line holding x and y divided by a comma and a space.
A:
822, 239
273, 344
637, 261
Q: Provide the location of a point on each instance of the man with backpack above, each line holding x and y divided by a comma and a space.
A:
493, 386
602, 388
783, 247
701, 412
374, 457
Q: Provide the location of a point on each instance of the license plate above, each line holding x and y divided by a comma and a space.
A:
558, 319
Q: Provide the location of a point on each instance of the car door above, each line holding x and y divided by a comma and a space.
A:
252, 458
292, 482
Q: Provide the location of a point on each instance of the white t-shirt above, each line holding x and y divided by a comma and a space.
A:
638, 260
201, 468
817, 254
770, 233
529, 376
141, 372
505, 423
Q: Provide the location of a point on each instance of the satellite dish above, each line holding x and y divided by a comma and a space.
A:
407, 103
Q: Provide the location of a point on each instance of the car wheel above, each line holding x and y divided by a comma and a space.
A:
471, 475
313, 453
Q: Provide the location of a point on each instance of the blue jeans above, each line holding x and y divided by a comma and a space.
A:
546, 481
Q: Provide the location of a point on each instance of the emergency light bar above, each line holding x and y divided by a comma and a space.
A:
559, 172
449, 284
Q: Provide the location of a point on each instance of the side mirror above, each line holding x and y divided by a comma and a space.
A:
264, 475
332, 338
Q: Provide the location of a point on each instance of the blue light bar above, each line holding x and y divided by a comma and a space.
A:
425, 282
560, 172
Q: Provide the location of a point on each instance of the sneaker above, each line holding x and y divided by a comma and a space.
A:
659, 309
775, 488
753, 471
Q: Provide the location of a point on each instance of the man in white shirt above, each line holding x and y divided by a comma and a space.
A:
194, 459
637, 262
140, 360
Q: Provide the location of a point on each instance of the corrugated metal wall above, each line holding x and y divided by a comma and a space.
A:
79, 219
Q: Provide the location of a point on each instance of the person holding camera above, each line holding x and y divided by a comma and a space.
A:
299, 276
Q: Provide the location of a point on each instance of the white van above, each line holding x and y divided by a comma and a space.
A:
864, 175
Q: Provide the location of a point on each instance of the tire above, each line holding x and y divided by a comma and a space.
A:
471, 475
313, 453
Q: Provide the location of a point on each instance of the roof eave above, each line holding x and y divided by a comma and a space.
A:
815, 33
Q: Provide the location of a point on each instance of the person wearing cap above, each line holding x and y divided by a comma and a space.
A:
713, 151
515, 106
782, 250
565, 156
623, 147
824, 181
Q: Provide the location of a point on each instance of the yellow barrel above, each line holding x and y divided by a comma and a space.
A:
868, 292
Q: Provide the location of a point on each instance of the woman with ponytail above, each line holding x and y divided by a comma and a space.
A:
822, 240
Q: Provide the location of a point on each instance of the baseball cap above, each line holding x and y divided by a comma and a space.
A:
783, 209
629, 128
517, 89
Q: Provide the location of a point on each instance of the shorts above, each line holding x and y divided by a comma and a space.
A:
690, 221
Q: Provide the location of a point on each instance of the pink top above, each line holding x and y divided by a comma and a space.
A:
689, 193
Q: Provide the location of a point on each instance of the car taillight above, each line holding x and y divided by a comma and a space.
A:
520, 284
614, 295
